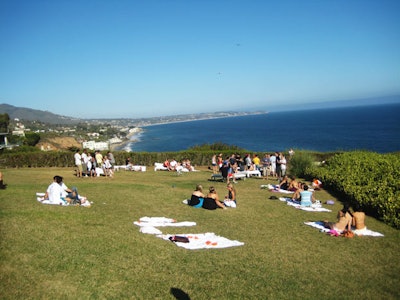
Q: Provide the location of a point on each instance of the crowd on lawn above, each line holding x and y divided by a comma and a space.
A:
172, 165
271, 164
93, 164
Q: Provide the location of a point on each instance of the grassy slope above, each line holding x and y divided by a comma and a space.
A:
76, 253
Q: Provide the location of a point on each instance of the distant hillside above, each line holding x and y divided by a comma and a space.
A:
29, 114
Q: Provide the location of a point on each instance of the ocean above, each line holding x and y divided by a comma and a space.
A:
374, 128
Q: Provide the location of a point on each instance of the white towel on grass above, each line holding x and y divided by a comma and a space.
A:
295, 204
150, 230
161, 222
275, 188
207, 240
362, 232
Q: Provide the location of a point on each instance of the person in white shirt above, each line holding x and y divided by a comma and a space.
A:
85, 159
59, 193
78, 163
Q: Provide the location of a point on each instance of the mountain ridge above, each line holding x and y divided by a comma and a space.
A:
31, 114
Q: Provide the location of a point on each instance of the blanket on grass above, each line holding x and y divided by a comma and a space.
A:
161, 222
207, 240
275, 189
314, 207
40, 198
196, 241
148, 224
319, 225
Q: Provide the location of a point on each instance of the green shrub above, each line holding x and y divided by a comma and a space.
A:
369, 179
300, 162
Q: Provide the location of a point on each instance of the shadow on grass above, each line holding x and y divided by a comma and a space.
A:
179, 294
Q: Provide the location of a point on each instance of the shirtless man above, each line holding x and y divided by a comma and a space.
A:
359, 219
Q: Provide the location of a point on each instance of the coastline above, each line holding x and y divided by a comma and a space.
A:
202, 119
131, 137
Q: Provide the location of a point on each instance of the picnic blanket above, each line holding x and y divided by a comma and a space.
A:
40, 198
314, 207
208, 240
319, 225
196, 240
275, 189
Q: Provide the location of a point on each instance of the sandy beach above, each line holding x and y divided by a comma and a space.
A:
131, 137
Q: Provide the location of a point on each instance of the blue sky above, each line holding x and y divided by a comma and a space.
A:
127, 58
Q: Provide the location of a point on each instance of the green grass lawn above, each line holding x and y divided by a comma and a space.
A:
53, 252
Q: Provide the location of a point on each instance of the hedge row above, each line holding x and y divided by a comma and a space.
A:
66, 158
369, 179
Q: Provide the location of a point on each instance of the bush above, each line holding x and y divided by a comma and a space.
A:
300, 163
369, 179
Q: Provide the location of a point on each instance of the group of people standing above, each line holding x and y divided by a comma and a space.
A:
274, 164
90, 164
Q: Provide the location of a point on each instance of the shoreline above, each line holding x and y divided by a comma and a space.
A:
205, 118
130, 137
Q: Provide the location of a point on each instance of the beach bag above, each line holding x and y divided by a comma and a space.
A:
177, 238
348, 234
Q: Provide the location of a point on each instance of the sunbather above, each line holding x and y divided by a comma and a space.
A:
284, 184
306, 197
359, 219
197, 198
344, 220
230, 199
211, 201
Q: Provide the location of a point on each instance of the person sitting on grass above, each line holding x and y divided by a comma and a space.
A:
293, 185
59, 193
344, 220
284, 184
296, 195
230, 199
197, 198
2, 185
359, 219
212, 200
306, 197
317, 184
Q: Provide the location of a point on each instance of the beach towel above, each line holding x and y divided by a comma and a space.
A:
161, 222
40, 198
314, 207
363, 232
275, 189
207, 240
150, 230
